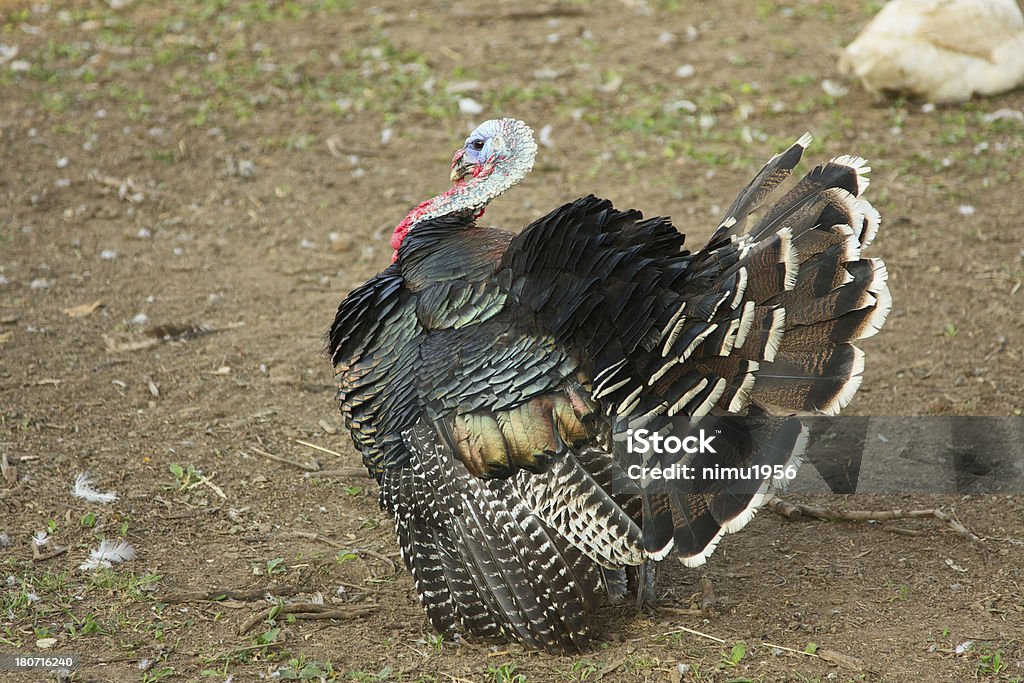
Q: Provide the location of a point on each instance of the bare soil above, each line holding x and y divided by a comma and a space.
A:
239, 166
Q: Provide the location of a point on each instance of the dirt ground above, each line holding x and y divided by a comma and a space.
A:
206, 180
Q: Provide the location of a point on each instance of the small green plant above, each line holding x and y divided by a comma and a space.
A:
583, 670
505, 673
154, 675
185, 478
268, 637
86, 626
435, 641
89, 520
270, 568
991, 663
736, 654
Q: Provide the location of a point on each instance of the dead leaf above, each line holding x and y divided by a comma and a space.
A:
5, 337
839, 659
83, 310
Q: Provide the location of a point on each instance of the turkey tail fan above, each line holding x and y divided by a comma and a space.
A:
789, 298
482, 562
766, 328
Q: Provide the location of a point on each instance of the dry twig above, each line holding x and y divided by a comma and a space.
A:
9, 471
308, 610
315, 467
40, 556
795, 511
340, 472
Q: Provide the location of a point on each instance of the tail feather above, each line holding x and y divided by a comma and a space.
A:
483, 563
777, 170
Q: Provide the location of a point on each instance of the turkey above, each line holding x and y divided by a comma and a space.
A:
492, 381
940, 50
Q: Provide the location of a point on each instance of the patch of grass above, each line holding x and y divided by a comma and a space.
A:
123, 584
157, 674
364, 677
79, 627
991, 663
582, 670
300, 669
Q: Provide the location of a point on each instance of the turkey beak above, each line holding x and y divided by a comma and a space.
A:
460, 166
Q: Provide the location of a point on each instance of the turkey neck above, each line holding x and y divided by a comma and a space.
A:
510, 165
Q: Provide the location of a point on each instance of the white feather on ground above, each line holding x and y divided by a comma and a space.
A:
108, 554
940, 50
83, 489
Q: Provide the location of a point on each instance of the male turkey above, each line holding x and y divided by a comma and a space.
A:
490, 380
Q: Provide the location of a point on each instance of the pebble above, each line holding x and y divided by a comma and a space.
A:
467, 105
685, 71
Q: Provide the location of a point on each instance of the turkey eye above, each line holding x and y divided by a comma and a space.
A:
477, 145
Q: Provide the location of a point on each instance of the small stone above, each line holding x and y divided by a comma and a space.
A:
46, 643
108, 254
467, 105
686, 71
40, 283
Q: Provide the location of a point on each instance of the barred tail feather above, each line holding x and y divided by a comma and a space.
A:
483, 563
